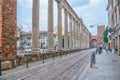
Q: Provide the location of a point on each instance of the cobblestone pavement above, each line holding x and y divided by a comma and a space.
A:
68, 67
107, 67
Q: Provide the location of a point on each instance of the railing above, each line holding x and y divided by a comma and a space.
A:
30, 57
47, 55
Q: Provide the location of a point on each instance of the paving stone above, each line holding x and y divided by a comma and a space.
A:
108, 68
60, 69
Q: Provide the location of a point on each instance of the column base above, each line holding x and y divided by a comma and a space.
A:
36, 51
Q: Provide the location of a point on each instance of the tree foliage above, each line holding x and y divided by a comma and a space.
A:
105, 35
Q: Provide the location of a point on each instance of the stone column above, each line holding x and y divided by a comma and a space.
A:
79, 35
35, 27
119, 45
59, 29
66, 30
74, 36
70, 17
50, 25
75, 33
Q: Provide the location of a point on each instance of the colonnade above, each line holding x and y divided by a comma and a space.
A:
72, 38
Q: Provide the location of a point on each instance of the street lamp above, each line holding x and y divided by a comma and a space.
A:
92, 26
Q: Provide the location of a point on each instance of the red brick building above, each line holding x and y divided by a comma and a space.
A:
98, 39
8, 28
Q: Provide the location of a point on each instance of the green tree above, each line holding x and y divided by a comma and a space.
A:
105, 35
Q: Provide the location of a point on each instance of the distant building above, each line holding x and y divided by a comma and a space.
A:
26, 39
98, 39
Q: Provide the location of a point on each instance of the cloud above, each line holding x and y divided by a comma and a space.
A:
76, 3
24, 13
91, 11
25, 3
94, 2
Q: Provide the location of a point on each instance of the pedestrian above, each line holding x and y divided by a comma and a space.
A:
97, 49
100, 49
55, 48
107, 49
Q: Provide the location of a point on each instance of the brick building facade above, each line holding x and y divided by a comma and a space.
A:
98, 39
8, 28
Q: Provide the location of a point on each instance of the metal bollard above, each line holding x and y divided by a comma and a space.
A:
70, 52
53, 56
66, 52
0, 67
27, 61
19, 58
92, 59
91, 62
43, 58
61, 54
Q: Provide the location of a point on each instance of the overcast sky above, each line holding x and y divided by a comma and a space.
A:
93, 12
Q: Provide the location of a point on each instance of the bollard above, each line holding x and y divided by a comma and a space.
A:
73, 52
91, 62
53, 56
92, 59
66, 52
69, 52
27, 61
0, 67
19, 58
43, 58
61, 54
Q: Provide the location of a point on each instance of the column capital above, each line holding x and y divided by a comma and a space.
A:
65, 10
58, 1
59, 6
70, 16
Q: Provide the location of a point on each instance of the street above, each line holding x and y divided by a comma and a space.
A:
68, 67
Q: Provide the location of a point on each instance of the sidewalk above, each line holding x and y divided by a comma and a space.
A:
107, 67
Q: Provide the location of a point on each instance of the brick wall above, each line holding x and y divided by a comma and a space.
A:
100, 33
8, 28
99, 36
0, 24
100, 30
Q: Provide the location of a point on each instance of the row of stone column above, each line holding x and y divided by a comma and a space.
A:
74, 34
